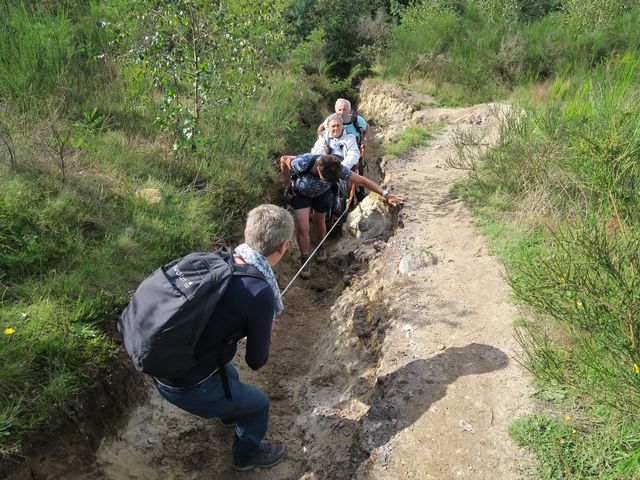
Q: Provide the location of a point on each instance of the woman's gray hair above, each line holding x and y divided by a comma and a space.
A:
267, 227
335, 116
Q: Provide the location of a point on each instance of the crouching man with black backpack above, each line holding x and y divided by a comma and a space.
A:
240, 295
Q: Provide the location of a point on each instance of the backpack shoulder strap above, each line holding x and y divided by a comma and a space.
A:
310, 166
239, 270
356, 124
325, 135
295, 176
247, 270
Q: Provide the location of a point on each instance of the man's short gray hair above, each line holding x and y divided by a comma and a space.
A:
335, 116
267, 227
343, 100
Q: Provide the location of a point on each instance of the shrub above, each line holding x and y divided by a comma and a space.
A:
35, 55
587, 15
344, 41
45, 56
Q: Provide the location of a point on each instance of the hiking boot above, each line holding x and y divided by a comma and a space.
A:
226, 423
271, 454
321, 254
306, 271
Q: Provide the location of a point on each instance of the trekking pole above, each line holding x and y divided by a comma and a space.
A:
351, 192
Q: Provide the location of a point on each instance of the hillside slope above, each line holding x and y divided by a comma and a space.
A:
396, 360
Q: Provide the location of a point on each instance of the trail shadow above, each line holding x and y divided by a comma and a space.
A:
399, 399
402, 396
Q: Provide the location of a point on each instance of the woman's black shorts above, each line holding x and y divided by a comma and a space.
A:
320, 204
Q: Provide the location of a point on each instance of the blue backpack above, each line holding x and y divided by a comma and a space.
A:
170, 309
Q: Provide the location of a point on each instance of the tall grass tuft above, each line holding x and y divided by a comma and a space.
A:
45, 56
35, 55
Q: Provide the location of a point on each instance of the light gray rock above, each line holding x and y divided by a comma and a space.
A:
415, 261
370, 219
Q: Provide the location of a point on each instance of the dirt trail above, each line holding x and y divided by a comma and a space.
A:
374, 373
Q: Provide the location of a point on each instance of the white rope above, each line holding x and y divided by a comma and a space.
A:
316, 249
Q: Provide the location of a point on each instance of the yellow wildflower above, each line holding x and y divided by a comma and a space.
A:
636, 368
579, 305
567, 418
573, 430
9, 331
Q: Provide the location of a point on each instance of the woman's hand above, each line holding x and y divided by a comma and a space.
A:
396, 199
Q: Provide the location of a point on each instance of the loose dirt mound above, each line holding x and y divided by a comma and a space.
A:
396, 360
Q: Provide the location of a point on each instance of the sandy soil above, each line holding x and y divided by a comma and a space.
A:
374, 373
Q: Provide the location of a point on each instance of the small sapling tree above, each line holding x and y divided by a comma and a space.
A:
200, 53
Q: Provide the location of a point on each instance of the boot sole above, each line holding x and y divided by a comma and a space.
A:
251, 467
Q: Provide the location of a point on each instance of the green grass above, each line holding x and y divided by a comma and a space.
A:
412, 136
519, 322
47, 360
44, 56
602, 445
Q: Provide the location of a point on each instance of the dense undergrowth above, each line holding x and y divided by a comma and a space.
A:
559, 196
102, 99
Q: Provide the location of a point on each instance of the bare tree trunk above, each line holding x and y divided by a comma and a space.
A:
196, 65
61, 149
5, 138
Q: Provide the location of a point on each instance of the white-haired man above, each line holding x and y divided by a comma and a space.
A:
353, 124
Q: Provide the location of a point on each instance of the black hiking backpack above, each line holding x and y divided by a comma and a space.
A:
170, 309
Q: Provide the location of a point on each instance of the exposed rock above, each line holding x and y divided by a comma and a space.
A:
475, 115
387, 106
416, 261
466, 426
371, 218
150, 195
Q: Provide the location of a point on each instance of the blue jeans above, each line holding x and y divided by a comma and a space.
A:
249, 409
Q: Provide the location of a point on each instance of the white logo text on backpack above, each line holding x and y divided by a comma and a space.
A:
185, 283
